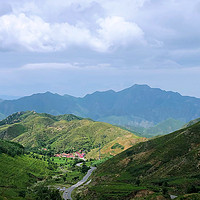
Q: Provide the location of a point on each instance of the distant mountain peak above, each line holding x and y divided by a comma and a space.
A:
48, 92
45, 94
107, 91
100, 93
140, 86
137, 87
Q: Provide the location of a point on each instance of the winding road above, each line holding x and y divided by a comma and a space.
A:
67, 193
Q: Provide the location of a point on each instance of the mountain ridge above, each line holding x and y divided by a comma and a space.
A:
139, 105
67, 133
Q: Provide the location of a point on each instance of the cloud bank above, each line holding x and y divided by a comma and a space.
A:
29, 26
100, 25
61, 45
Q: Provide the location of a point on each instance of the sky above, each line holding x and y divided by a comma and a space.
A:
77, 47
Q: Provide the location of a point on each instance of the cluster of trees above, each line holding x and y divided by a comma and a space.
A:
48, 152
41, 192
165, 187
51, 165
11, 148
84, 168
117, 145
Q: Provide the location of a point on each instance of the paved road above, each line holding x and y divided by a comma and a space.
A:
67, 193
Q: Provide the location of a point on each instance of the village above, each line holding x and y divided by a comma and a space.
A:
78, 155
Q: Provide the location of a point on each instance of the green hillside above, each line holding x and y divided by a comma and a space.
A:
21, 116
156, 168
60, 133
18, 171
191, 123
116, 146
11, 148
165, 127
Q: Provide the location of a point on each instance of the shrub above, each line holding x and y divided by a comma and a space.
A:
117, 146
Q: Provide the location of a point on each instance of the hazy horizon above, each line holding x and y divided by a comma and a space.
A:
11, 97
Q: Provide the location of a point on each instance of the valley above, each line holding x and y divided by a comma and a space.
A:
45, 156
54, 144
29, 175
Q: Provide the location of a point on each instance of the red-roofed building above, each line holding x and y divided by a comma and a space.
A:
71, 155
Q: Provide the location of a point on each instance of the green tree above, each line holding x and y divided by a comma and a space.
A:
42, 192
84, 168
192, 189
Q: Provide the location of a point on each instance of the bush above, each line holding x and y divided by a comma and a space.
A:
22, 193
192, 189
84, 168
43, 192
117, 146
11, 148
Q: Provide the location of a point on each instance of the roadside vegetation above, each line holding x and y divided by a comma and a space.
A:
28, 175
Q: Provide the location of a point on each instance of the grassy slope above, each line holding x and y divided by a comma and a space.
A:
11, 148
191, 123
124, 142
61, 132
172, 159
64, 135
19, 171
165, 127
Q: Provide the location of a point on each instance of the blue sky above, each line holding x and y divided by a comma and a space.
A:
77, 47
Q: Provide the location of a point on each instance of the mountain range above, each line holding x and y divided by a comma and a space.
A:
139, 106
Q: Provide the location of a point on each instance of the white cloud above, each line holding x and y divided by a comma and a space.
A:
148, 28
61, 67
127, 9
115, 31
101, 25
47, 66
34, 34
31, 33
